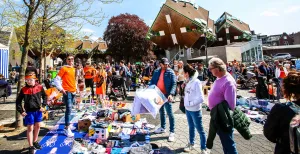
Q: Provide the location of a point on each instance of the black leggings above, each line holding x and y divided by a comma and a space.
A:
90, 83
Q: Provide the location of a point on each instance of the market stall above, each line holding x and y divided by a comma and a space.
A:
4, 60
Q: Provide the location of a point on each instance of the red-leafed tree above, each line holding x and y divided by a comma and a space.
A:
126, 36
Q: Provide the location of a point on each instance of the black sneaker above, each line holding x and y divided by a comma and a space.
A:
31, 150
36, 145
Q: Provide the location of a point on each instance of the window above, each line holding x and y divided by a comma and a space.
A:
284, 37
286, 43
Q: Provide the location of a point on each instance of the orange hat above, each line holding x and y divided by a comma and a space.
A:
31, 76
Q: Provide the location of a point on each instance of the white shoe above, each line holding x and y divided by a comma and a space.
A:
171, 137
68, 132
206, 151
72, 127
159, 130
188, 148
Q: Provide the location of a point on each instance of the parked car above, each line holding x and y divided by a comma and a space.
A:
267, 58
282, 56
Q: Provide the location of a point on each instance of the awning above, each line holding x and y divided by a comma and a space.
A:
200, 59
4, 62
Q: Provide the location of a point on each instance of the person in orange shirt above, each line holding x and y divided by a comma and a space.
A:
100, 81
89, 75
65, 82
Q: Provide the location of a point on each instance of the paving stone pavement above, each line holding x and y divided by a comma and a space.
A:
257, 145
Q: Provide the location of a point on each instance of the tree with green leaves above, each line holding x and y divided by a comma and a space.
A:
25, 11
46, 14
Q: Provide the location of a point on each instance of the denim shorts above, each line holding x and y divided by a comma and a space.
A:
33, 117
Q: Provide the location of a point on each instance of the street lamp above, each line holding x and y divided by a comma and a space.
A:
205, 45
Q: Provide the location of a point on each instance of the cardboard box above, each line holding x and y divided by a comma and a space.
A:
45, 115
83, 125
131, 118
98, 133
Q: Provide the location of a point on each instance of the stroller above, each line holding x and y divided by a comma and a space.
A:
55, 100
117, 89
5, 90
246, 82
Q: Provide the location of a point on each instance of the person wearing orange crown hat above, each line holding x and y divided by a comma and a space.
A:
33, 108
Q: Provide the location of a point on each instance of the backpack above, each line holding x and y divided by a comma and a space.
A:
294, 130
127, 72
100, 81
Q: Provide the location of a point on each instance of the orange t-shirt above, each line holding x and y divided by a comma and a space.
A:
67, 74
89, 72
160, 83
282, 74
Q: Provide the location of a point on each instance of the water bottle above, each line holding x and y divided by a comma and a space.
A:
147, 136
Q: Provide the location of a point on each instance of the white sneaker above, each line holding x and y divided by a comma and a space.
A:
159, 130
206, 151
68, 132
188, 148
72, 127
171, 137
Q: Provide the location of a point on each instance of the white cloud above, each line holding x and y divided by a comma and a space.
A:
272, 12
292, 9
87, 30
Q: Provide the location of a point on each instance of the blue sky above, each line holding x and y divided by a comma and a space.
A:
263, 16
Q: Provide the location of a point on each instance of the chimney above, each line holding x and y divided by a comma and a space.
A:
184, 4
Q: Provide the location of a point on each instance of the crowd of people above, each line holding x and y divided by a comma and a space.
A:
176, 79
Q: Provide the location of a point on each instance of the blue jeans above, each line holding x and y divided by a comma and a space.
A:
68, 100
168, 107
194, 119
227, 141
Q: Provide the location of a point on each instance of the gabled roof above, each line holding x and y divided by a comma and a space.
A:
102, 46
4, 37
3, 46
87, 45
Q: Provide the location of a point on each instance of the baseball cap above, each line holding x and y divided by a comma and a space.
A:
164, 61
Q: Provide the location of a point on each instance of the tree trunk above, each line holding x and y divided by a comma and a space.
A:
21, 83
43, 35
40, 64
31, 11
45, 65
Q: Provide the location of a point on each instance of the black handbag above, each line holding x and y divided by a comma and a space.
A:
181, 104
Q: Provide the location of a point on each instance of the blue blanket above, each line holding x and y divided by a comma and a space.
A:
56, 142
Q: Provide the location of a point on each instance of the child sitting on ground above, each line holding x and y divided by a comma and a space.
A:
32, 111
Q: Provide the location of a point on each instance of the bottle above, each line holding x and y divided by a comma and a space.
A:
147, 136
